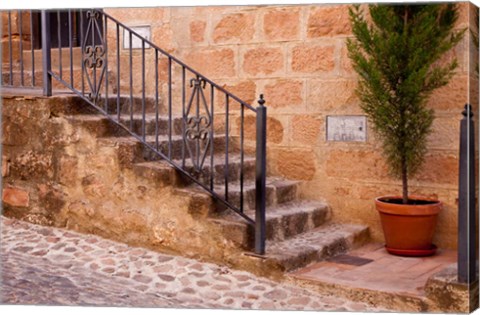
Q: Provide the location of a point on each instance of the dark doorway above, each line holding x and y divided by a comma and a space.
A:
59, 29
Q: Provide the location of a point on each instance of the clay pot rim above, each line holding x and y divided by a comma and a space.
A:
408, 210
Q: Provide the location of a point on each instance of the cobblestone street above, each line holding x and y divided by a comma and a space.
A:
50, 266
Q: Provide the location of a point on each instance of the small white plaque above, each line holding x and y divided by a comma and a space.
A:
347, 128
143, 31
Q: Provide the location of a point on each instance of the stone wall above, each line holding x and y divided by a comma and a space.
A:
56, 171
15, 29
296, 55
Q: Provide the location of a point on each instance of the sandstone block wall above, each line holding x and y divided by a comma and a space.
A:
15, 29
296, 55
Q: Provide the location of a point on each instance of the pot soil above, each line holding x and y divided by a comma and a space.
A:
408, 228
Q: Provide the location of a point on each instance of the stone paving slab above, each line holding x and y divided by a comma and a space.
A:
51, 266
394, 282
385, 272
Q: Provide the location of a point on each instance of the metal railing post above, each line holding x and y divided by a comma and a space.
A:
260, 178
466, 200
46, 54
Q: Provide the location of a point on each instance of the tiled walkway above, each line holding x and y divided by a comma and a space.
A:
377, 270
52, 266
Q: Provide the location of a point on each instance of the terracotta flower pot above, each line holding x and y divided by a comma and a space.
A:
409, 228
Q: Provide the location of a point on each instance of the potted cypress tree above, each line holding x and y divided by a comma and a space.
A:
396, 54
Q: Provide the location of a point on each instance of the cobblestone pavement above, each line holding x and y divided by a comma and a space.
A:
50, 266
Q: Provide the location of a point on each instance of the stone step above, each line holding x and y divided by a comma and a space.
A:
55, 58
73, 78
29, 80
162, 174
102, 126
220, 169
282, 222
75, 105
382, 280
115, 102
133, 151
315, 245
124, 103
162, 171
278, 191
16, 52
292, 218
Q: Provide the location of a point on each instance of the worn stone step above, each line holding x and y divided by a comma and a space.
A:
134, 105
164, 170
315, 245
73, 78
288, 219
220, 170
75, 105
278, 191
282, 221
200, 204
122, 103
102, 126
29, 80
161, 174
77, 57
132, 151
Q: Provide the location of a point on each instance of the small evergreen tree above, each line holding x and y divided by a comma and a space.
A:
395, 56
474, 33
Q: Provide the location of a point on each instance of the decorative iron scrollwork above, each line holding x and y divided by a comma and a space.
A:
198, 82
198, 128
93, 14
198, 122
94, 54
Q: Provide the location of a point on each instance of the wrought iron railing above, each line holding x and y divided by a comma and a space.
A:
129, 79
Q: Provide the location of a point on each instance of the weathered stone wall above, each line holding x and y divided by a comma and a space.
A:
297, 57
56, 172
29, 145
448, 295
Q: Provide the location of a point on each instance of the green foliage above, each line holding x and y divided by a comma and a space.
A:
474, 32
396, 57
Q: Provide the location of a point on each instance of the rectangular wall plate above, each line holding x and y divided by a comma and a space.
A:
346, 128
143, 30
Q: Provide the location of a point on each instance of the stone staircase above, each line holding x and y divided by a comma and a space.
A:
299, 232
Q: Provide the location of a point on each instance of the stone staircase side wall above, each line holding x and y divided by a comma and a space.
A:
54, 174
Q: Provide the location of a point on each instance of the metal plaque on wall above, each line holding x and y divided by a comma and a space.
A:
143, 31
346, 128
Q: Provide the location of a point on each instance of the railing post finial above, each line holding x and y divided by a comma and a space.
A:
261, 101
467, 111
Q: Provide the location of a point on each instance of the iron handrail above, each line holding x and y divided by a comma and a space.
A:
180, 62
